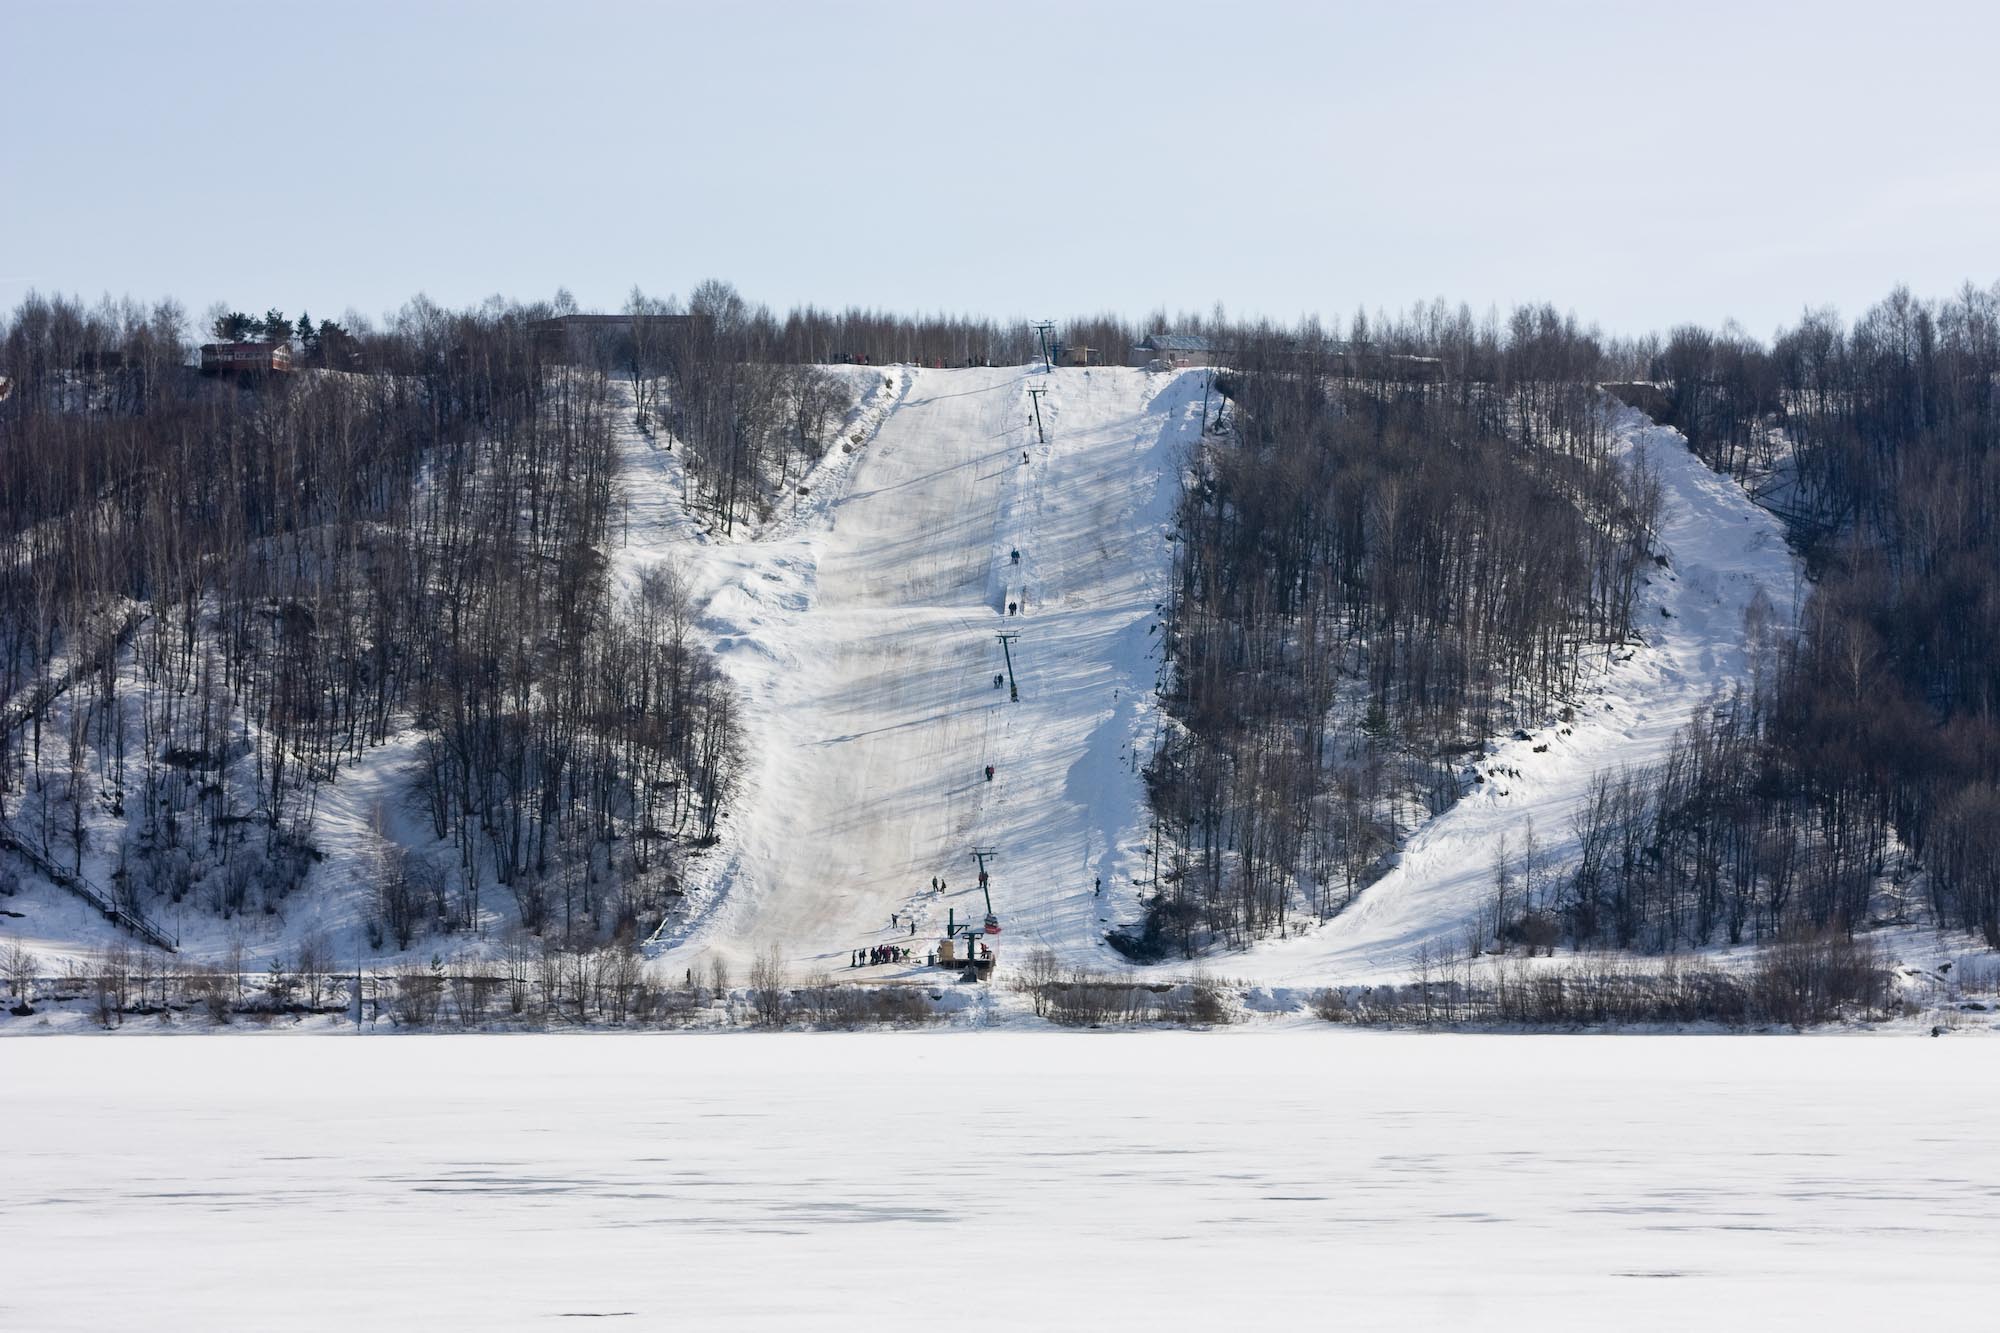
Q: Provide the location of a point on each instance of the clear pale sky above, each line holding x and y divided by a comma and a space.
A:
1640, 164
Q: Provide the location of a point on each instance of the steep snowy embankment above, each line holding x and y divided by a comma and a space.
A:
1722, 551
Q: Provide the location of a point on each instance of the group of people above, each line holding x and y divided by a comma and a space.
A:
877, 955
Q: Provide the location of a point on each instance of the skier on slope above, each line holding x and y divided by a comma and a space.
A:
989, 772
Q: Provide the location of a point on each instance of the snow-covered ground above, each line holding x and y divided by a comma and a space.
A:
1323, 1179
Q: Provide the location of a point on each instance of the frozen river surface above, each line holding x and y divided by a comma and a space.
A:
998, 1180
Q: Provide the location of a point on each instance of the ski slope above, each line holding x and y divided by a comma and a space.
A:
864, 636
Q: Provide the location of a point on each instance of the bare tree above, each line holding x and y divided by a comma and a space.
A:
769, 997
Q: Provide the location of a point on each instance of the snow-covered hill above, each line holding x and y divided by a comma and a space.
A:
861, 624
865, 639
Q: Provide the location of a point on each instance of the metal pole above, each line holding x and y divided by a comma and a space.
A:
1006, 638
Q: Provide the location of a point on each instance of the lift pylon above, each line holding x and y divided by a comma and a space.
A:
1007, 638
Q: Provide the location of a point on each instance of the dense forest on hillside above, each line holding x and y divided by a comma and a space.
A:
1392, 547
1862, 780
215, 594
1381, 562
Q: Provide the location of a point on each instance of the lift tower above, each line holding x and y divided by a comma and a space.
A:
1043, 328
1035, 395
1007, 637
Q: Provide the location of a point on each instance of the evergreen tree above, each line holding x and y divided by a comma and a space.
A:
233, 327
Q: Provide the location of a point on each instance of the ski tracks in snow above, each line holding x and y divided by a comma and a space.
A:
870, 704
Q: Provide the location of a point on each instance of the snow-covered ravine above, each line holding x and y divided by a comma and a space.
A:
1722, 551
863, 634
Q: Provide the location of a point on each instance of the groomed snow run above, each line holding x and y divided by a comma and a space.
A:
864, 635
1308, 1180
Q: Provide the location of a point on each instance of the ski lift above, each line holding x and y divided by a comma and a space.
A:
992, 921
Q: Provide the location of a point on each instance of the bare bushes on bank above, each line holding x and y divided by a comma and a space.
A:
1797, 982
528, 986
1078, 998
827, 1004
